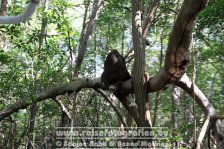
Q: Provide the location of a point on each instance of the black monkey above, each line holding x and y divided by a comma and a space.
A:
115, 71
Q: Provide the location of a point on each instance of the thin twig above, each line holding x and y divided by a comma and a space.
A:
108, 99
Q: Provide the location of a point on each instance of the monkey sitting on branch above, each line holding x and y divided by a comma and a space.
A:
115, 71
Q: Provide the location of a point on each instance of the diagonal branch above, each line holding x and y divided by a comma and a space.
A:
207, 108
63, 108
204, 130
186, 84
177, 55
148, 21
112, 105
52, 93
87, 31
26, 14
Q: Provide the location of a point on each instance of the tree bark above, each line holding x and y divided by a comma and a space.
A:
148, 21
26, 14
139, 84
83, 41
87, 31
205, 105
31, 126
3, 8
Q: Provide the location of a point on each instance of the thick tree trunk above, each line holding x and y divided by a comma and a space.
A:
138, 71
139, 84
3, 8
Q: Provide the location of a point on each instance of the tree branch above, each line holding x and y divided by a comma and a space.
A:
206, 106
26, 14
197, 94
68, 88
87, 31
177, 55
112, 105
61, 105
204, 130
148, 21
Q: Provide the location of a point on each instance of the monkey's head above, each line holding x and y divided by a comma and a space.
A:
112, 58
115, 52
116, 57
